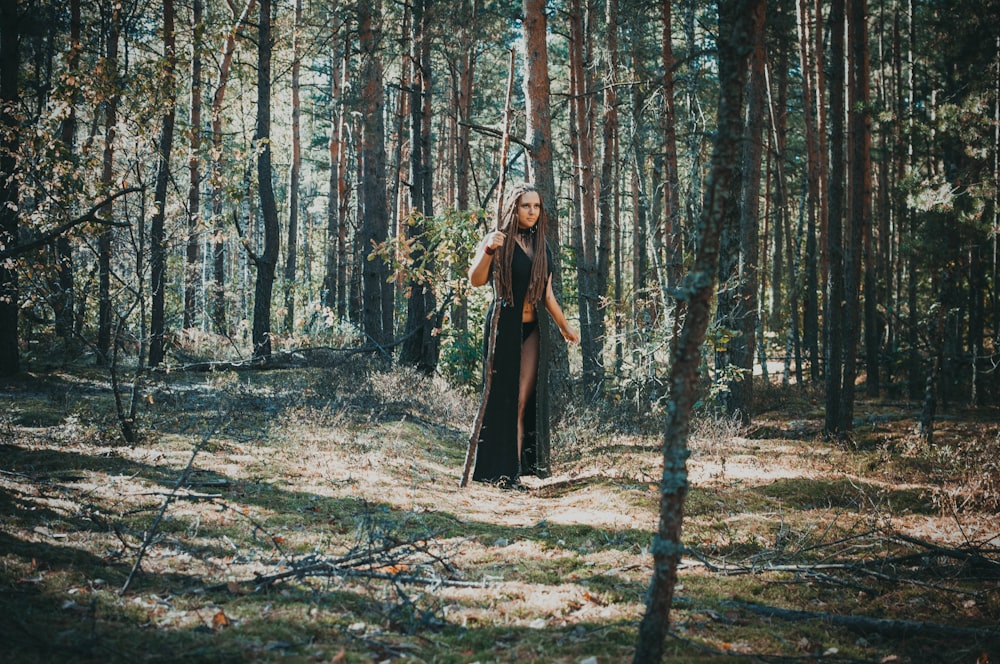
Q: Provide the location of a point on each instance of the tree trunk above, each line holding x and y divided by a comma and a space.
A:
266, 262
218, 290
736, 33
10, 64
463, 156
377, 295
292, 245
158, 248
738, 255
421, 346
608, 202
192, 255
64, 326
553, 360
671, 228
335, 147
586, 239
812, 101
859, 208
105, 239
835, 315
193, 258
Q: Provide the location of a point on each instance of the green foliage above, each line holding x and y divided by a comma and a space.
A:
435, 253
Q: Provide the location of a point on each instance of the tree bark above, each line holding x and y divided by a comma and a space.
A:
859, 209
553, 360
421, 346
335, 148
377, 309
608, 201
739, 252
734, 44
834, 320
586, 238
812, 102
104, 240
63, 306
672, 213
218, 289
192, 256
266, 262
10, 64
292, 244
158, 248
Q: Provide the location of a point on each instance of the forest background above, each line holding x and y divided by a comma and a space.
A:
193, 186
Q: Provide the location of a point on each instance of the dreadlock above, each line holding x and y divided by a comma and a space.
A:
507, 223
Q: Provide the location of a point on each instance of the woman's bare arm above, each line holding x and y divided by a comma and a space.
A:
479, 271
552, 305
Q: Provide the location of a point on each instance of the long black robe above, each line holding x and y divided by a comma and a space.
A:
496, 453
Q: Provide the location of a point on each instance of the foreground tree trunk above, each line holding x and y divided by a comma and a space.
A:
267, 261
736, 30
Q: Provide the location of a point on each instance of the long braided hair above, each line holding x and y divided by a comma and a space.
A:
505, 254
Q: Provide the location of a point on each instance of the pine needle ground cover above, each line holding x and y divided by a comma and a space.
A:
315, 515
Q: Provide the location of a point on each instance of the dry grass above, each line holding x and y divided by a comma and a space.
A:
313, 465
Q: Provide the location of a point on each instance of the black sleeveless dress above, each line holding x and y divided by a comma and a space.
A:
496, 454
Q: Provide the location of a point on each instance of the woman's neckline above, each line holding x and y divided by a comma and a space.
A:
523, 250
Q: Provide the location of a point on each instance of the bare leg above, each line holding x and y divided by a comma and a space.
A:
529, 372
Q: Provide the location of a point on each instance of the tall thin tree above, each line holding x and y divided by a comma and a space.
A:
586, 238
858, 199
736, 30
834, 319
553, 360
64, 326
158, 249
10, 361
377, 314
266, 262
294, 175
420, 348
111, 82
218, 245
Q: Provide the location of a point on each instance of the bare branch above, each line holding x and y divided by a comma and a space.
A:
45, 238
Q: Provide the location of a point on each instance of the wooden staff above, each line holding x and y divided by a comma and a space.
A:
470, 455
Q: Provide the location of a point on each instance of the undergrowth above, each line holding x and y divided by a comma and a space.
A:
323, 522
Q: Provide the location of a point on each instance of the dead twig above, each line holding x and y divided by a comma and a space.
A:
151, 533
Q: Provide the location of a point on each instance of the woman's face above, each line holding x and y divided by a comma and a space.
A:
528, 209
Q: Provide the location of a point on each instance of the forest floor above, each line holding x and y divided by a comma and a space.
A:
314, 514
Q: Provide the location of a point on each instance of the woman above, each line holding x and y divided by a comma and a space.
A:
523, 281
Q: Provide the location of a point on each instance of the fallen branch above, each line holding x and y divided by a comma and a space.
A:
151, 533
970, 555
330, 570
